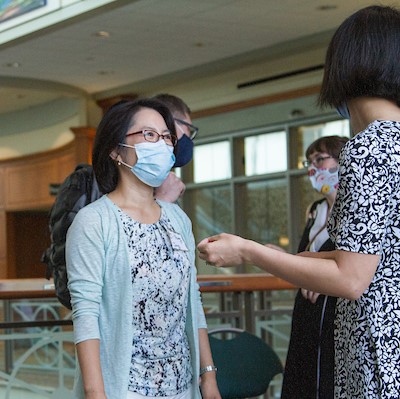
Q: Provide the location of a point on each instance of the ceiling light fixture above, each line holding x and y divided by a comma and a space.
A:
102, 34
13, 65
327, 7
103, 73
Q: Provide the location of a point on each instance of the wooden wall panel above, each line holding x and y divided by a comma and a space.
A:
27, 185
29, 250
3, 245
2, 183
25, 201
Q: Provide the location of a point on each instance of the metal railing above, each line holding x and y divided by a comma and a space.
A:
37, 354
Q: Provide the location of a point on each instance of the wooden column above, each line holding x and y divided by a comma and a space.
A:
84, 137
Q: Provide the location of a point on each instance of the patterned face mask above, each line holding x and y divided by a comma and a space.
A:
325, 181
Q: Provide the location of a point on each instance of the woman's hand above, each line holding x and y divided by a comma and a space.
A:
222, 250
310, 295
208, 386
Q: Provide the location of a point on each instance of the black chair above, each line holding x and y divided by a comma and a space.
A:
246, 364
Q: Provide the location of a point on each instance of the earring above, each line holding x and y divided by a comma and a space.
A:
119, 163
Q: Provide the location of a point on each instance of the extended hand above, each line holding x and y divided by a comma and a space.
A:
222, 250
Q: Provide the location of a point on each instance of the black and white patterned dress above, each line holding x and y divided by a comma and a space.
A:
160, 364
366, 219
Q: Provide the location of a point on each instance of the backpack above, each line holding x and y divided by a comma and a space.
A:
78, 189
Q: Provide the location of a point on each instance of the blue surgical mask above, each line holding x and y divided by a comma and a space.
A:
184, 151
343, 111
154, 162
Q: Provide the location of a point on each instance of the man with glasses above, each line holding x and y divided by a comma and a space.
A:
173, 187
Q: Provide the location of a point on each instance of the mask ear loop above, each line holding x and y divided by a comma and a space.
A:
114, 158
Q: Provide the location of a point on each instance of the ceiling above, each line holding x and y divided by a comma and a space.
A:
150, 42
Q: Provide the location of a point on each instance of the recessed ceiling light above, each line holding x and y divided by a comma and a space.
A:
105, 72
327, 7
102, 34
13, 65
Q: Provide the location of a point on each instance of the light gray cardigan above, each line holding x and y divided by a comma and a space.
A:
101, 291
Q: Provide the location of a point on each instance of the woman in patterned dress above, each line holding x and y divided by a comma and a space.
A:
139, 325
361, 79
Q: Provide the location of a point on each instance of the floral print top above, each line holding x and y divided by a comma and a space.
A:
366, 219
160, 272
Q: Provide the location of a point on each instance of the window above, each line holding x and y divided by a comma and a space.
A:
265, 153
212, 162
309, 133
252, 182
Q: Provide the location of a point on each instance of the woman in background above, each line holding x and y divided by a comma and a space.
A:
309, 368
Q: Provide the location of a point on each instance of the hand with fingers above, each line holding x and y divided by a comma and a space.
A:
310, 295
222, 250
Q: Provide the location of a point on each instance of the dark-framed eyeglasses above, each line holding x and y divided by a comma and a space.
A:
152, 136
192, 129
317, 162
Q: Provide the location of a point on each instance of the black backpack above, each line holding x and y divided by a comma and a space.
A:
78, 189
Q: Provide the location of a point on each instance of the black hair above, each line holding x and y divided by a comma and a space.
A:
174, 103
332, 145
112, 131
363, 58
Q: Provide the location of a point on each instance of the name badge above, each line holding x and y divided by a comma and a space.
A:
177, 241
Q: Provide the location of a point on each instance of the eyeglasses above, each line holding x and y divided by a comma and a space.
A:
152, 136
192, 129
317, 162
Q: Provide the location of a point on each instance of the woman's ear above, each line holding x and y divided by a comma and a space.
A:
114, 155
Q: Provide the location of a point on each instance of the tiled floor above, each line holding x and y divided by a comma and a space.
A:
23, 394
20, 394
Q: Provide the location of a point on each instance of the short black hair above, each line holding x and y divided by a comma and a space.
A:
362, 59
174, 103
112, 131
332, 145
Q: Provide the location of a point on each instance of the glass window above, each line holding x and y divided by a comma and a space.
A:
212, 162
262, 213
309, 133
265, 153
263, 210
210, 210
303, 195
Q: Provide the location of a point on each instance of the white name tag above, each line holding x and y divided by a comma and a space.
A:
177, 241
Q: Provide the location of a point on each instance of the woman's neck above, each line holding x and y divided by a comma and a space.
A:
364, 110
137, 200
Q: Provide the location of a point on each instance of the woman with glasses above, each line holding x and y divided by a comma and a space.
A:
309, 367
139, 325
362, 80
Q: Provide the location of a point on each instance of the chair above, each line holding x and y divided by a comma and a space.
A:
246, 364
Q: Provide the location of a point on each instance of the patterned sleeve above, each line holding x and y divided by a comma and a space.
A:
367, 182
